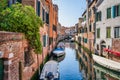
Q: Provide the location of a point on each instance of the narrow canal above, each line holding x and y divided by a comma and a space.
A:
76, 66
69, 67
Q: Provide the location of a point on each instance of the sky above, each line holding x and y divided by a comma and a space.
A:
70, 11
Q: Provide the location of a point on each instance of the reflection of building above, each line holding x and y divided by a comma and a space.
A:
108, 29
86, 33
104, 73
85, 64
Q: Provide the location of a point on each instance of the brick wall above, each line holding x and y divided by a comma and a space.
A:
116, 44
12, 47
116, 47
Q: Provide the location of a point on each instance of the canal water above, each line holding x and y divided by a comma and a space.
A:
75, 66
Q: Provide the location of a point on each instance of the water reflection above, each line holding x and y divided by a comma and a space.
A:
69, 67
93, 71
76, 64
59, 59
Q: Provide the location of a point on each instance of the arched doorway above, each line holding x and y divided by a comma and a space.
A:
102, 46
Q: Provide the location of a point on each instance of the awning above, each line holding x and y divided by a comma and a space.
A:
112, 52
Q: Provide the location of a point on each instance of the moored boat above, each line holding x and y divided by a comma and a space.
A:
50, 71
58, 52
110, 64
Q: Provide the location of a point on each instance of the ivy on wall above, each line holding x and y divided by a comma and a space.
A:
23, 19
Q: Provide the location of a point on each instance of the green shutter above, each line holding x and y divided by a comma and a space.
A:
113, 12
119, 10
108, 13
1, 69
100, 16
96, 17
98, 33
108, 32
86, 40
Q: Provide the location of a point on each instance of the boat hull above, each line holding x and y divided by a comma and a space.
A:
50, 71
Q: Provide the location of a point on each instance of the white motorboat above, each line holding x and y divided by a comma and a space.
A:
58, 52
50, 71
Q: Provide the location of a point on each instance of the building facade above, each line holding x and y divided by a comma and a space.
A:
107, 29
18, 63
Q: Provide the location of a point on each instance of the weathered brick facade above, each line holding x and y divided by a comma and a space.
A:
13, 47
116, 47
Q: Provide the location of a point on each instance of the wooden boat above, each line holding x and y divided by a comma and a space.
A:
58, 52
50, 71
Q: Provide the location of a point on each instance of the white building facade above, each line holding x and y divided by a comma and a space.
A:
107, 24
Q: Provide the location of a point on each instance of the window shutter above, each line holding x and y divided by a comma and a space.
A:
119, 10
100, 15
38, 8
113, 12
44, 41
96, 18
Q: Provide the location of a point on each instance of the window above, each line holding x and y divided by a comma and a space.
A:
97, 47
98, 33
117, 32
89, 14
108, 32
79, 39
85, 40
50, 40
54, 28
108, 13
43, 14
28, 59
84, 18
44, 40
90, 29
98, 16
117, 10
47, 18
82, 30
38, 8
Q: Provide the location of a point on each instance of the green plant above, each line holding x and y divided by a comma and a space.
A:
3, 4
23, 19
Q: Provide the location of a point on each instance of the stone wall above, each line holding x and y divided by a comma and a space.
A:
12, 51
